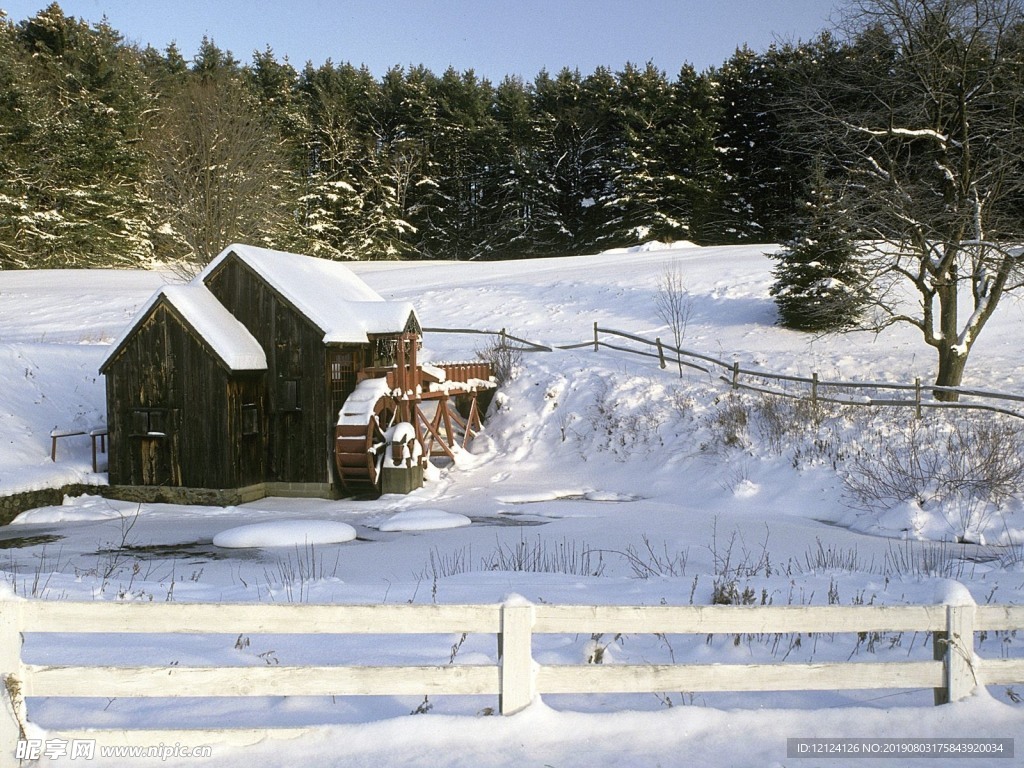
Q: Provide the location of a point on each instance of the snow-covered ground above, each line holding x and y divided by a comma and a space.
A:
600, 479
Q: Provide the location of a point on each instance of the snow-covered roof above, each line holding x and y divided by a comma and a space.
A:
226, 336
328, 293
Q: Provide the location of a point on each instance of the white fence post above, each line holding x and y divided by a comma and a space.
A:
960, 676
12, 699
515, 647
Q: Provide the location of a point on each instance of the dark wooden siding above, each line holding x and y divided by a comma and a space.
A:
176, 415
300, 410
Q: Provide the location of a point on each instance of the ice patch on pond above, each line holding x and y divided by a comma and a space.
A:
542, 496
424, 520
285, 533
608, 496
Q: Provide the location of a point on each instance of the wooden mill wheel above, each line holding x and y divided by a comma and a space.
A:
359, 439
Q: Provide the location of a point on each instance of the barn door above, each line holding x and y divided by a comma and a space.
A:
152, 438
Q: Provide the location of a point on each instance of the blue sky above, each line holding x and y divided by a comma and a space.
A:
492, 37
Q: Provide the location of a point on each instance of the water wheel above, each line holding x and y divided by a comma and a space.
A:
359, 438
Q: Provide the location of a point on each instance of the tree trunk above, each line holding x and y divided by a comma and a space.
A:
951, 372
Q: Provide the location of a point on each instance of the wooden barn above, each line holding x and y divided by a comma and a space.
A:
236, 380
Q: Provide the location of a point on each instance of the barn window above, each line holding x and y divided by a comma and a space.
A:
150, 422
289, 398
343, 368
250, 419
342, 374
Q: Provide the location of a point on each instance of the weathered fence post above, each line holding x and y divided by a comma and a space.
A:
814, 389
735, 374
12, 706
661, 352
515, 649
917, 397
596, 344
940, 646
960, 677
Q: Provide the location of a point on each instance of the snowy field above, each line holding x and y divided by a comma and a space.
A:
600, 479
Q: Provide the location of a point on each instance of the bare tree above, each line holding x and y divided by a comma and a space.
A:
674, 306
220, 176
920, 113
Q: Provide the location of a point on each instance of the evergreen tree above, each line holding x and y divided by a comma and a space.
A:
643, 198
464, 143
759, 180
161, 69
19, 228
75, 168
102, 154
572, 116
275, 84
399, 177
212, 63
820, 284
520, 200
335, 154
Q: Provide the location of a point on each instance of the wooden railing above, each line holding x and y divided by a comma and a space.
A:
812, 388
815, 389
466, 372
504, 337
515, 678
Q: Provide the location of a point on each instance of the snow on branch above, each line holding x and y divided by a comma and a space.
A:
908, 133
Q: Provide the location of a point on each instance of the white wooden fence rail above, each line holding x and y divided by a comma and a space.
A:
515, 679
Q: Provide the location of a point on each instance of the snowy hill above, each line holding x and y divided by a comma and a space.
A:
638, 485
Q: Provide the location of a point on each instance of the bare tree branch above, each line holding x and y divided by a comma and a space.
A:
919, 113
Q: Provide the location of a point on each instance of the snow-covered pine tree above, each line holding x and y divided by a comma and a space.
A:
759, 179
16, 112
397, 169
643, 199
519, 200
464, 143
572, 115
819, 281
72, 165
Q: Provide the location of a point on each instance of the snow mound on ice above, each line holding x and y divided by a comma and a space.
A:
285, 533
424, 520
84, 508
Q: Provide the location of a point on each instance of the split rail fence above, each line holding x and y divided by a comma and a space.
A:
811, 388
516, 678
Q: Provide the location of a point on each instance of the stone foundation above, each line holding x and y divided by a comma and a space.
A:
401, 479
13, 505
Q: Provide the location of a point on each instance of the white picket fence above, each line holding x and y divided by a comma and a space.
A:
515, 679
